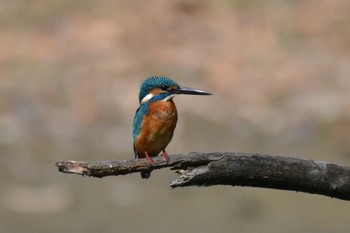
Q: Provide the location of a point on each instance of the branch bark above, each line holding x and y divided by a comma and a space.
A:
236, 169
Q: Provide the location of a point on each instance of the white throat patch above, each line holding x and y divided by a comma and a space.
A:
146, 98
149, 96
170, 97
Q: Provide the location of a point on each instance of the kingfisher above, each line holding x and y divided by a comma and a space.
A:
155, 119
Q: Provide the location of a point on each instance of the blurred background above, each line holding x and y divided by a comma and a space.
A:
70, 73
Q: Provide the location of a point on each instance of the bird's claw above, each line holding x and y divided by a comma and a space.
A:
166, 155
148, 158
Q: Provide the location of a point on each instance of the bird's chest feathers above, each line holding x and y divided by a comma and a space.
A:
163, 111
157, 128
160, 121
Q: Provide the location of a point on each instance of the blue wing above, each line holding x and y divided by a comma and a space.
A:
140, 113
138, 119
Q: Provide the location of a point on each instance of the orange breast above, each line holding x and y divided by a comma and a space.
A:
157, 128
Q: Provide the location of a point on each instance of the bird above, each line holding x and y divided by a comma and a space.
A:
156, 118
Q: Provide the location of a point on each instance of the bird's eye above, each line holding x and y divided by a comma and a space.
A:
164, 87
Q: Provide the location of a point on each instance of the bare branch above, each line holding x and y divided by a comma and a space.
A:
236, 169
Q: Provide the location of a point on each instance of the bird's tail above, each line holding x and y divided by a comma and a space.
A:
145, 174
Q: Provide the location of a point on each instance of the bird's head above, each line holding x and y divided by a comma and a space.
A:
165, 89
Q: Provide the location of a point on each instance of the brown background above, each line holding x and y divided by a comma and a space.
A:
69, 78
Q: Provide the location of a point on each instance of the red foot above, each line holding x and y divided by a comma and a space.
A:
166, 155
149, 159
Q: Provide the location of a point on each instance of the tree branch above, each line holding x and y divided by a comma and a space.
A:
236, 169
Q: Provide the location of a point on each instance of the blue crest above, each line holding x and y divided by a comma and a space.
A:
153, 82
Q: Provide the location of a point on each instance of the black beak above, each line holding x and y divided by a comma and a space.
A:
188, 91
